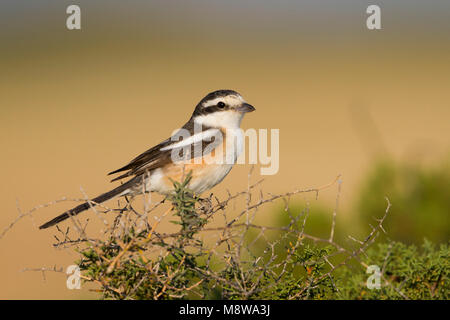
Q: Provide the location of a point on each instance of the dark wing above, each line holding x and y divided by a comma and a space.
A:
151, 159
156, 158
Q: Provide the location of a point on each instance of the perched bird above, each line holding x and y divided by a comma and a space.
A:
212, 141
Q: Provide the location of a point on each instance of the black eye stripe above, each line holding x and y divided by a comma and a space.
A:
210, 109
218, 107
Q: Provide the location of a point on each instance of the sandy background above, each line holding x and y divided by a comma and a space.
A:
75, 105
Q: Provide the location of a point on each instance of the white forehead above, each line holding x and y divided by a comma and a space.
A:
230, 100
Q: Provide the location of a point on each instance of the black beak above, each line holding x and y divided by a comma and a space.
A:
245, 107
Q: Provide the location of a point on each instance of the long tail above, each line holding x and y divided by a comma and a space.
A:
120, 190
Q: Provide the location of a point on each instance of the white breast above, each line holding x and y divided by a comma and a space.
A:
210, 177
204, 177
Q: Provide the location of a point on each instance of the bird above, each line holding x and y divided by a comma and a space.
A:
212, 142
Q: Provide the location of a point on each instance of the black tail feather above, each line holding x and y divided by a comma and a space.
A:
84, 206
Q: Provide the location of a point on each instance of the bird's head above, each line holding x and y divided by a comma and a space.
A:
221, 109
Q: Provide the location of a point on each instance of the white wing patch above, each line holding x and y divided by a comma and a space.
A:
198, 137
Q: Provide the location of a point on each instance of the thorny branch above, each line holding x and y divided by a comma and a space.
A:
132, 240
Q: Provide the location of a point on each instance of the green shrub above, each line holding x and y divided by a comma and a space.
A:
407, 273
251, 261
420, 198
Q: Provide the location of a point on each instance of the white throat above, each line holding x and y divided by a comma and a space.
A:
228, 119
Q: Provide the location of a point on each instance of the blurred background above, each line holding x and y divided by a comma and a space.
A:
373, 106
